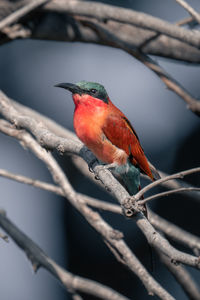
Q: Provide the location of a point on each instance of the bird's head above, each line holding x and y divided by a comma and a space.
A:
85, 91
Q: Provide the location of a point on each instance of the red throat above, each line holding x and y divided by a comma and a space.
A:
88, 101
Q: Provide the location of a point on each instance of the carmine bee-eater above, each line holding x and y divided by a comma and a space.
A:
106, 131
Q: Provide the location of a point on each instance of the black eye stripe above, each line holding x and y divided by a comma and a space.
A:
95, 93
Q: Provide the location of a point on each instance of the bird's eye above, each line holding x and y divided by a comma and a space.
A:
93, 91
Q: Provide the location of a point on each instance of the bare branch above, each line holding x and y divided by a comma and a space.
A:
159, 181
78, 161
108, 12
191, 10
174, 232
183, 277
15, 16
111, 236
167, 193
192, 103
117, 190
39, 258
57, 190
57, 26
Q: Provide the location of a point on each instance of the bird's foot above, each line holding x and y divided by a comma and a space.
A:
110, 166
90, 165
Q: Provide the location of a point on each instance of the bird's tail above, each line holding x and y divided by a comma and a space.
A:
154, 172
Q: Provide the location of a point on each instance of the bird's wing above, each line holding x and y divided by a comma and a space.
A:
120, 133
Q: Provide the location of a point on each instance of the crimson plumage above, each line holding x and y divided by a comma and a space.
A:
104, 129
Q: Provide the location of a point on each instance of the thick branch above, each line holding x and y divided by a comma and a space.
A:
21, 12
39, 258
107, 12
57, 26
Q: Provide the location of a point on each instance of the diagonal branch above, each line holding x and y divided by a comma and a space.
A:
39, 259
107, 12
183, 277
167, 193
190, 9
21, 12
159, 181
174, 232
117, 190
78, 161
192, 103
111, 236
171, 230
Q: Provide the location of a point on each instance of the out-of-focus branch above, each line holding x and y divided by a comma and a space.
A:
190, 9
107, 12
51, 25
21, 12
39, 258
192, 103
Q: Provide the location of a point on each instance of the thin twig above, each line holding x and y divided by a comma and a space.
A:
159, 181
190, 9
21, 12
57, 190
163, 194
39, 259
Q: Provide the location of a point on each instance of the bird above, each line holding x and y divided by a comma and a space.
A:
108, 133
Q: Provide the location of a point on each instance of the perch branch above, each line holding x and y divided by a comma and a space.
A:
171, 230
111, 236
120, 193
79, 162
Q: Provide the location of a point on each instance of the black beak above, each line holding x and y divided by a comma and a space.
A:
74, 89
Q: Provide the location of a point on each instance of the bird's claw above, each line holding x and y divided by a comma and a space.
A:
110, 166
90, 165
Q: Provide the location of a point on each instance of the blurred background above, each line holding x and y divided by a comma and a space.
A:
169, 134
